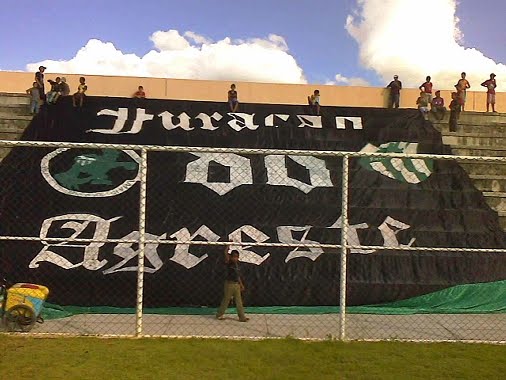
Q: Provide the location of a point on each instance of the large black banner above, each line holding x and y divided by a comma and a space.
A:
88, 193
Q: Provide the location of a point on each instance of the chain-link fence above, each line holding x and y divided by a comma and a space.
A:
142, 241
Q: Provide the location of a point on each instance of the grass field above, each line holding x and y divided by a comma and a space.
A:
91, 358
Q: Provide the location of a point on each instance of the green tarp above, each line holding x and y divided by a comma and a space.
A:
482, 298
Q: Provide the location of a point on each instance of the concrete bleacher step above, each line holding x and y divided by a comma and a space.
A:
479, 151
481, 128
9, 136
502, 219
483, 168
496, 200
481, 118
488, 139
13, 126
15, 109
489, 183
480, 135
4, 152
14, 118
13, 99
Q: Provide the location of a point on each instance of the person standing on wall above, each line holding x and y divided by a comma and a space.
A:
314, 103
233, 101
490, 84
233, 286
395, 92
39, 78
462, 86
426, 88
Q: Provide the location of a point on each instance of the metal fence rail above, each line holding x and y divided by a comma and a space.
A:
151, 300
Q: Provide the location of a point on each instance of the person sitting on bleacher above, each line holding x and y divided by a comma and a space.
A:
140, 94
437, 106
423, 105
54, 94
64, 87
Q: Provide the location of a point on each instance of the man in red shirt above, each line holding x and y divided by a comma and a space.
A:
438, 106
426, 88
490, 84
140, 94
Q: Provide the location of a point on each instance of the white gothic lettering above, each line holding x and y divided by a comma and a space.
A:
88, 256
77, 223
237, 121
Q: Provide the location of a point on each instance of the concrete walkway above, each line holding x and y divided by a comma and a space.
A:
486, 327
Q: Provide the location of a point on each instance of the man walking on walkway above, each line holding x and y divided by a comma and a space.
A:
233, 285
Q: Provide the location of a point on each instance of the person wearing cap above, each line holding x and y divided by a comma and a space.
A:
490, 84
395, 92
39, 78
437, 106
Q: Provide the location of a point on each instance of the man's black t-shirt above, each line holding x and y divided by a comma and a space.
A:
56, 87
233, 272
39, 78
395, 87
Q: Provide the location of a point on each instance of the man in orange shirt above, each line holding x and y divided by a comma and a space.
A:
462, 86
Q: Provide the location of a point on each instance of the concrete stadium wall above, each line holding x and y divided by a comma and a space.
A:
249, 92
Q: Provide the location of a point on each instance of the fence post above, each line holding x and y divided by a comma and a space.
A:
142, 239
344, 249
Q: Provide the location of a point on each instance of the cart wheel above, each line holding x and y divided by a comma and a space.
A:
19, 318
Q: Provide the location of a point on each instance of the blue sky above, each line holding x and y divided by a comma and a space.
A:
314, 33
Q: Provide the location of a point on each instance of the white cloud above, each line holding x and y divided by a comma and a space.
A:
197, 38
416, 39
168, 41
341, 80
188, 56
